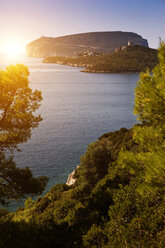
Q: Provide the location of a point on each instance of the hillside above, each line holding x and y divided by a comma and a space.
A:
130, 59
118, 198
72, 45
60, 218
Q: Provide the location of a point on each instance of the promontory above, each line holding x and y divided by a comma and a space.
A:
72, 45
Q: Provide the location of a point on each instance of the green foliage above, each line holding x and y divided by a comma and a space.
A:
132, 59
72, 211
150, 93
118, 198
140, 205
16, 182
29, 203
17, 104
95, 237
17, 119
93, 165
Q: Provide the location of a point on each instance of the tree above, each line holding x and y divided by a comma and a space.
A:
150, 109
17, 106
150, 93
140, 205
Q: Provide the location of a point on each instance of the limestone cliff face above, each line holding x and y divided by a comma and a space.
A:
71, 179
72, 45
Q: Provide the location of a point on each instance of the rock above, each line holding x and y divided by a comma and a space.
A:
71, 180
73, 45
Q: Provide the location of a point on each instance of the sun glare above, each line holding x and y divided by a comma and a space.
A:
13, 49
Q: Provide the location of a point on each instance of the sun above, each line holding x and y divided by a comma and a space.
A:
12, 49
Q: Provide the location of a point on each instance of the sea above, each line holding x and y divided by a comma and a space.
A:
77, 108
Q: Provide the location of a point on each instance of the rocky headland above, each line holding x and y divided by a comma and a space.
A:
73, 45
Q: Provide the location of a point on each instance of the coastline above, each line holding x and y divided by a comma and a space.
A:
133, 59
87, 70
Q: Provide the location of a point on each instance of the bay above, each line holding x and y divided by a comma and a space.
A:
77, 108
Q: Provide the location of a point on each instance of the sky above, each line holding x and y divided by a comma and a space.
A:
25, 20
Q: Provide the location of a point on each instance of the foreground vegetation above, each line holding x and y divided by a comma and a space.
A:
132, 59
118, 198
17, 119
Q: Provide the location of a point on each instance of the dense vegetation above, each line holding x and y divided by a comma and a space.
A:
118, 198
131, 59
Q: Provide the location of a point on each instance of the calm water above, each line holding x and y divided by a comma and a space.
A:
77, 108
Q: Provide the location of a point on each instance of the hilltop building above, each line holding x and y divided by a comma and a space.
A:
130, 43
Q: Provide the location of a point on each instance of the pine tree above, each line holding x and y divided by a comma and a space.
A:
17, 106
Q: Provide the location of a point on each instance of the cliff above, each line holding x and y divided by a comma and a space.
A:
72, 45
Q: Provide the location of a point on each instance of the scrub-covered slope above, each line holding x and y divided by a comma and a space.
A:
118, 198
130, 59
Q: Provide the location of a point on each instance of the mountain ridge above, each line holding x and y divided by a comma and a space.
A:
72, 45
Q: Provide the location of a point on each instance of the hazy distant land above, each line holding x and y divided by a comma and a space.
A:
72, 45
97, 51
